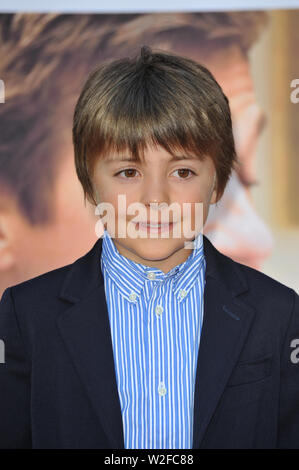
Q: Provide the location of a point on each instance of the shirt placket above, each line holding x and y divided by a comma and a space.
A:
156, 377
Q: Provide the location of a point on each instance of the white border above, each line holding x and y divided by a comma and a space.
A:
123, 6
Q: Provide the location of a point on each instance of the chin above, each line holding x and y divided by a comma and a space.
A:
155, 250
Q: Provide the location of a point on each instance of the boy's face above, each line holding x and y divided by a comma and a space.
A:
156, 180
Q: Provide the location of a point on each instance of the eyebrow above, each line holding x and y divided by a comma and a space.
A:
174, 158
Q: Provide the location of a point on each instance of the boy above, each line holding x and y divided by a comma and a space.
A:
151, 341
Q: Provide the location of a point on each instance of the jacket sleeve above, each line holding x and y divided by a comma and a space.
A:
14, 380
288, 428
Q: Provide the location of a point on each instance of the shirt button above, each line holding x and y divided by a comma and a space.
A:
159, 310
162, 389
151, 275
183, 293
133, 296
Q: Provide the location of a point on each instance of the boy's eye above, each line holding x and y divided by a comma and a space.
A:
130, 170
127, 170
183, 171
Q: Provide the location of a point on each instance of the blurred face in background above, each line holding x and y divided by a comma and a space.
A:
27, 251
234, 226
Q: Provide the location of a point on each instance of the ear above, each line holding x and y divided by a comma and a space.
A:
7, 256
214, 198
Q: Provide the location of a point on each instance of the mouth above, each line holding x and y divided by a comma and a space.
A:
155, 228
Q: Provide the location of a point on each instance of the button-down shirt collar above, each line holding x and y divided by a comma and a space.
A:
130, 276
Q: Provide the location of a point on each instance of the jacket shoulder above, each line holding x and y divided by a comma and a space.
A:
270, 297
263, 282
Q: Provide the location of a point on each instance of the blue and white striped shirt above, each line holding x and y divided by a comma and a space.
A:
156, 321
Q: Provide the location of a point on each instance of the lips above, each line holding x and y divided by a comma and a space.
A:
155, 228
156, 224
147, 224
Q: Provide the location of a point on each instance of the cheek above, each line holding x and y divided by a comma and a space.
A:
198, 196
196, 191
109, 189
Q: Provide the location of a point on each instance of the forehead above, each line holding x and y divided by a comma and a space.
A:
168, 158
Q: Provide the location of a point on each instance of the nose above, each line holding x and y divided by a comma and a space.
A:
155, 192
247, 128
155, 196
260, 120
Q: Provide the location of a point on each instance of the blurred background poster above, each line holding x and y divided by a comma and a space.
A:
45, 57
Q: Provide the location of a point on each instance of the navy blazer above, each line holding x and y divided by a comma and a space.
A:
58, 384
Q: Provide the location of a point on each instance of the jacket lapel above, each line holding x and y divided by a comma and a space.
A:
226, 324
85, 329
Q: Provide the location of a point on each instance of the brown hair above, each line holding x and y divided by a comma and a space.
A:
155, 98
45, 59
